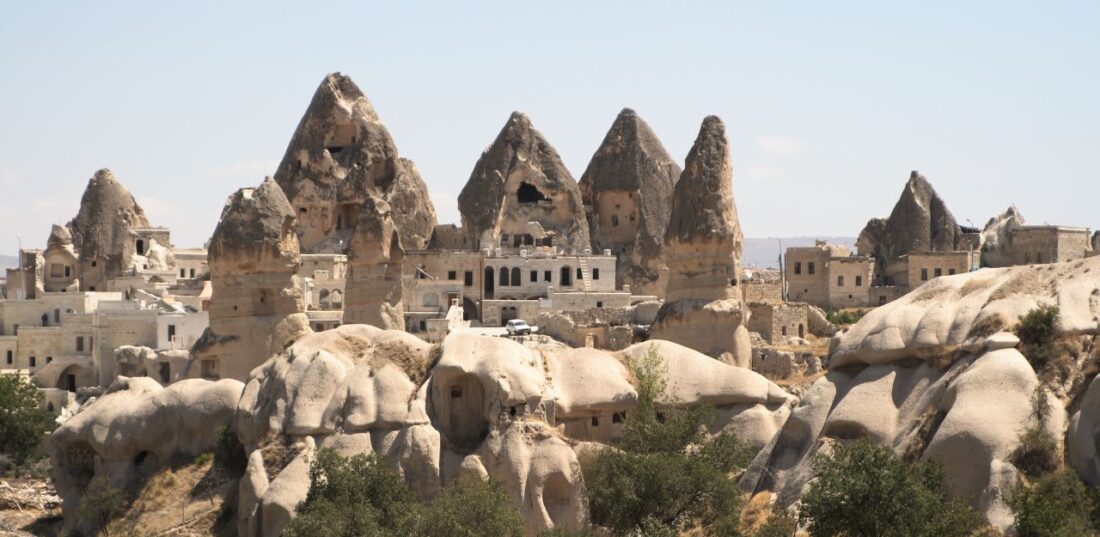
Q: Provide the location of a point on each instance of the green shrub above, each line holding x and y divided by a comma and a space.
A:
1037, 453
666, 477
470, 507
23, 426
101, 504
865, 490
1037, 337
780, 523
1056, 505
845, 317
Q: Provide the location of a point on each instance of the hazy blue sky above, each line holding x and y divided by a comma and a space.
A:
829, 104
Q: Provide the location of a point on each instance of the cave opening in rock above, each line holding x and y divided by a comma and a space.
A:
528, 193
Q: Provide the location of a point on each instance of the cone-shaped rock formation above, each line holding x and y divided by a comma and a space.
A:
103, 230
520, 188
703, 244
628, 187
374, 269
341, 154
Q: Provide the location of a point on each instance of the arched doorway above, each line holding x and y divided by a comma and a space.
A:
489, 279
469, 310
467, 425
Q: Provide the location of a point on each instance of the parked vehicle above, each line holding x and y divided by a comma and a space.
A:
518, 327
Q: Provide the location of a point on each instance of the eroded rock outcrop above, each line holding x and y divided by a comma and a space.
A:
997, 238
920, 222
520, 188
134, 430
374, 269
257, 306
703, 243
936, 376
103, 230
628, 189
340, 155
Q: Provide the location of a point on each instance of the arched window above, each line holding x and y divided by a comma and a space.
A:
503, 276
515, 276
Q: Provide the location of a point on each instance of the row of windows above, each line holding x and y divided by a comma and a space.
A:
936, 273
840, 281
809, 267
514, 277
183, 273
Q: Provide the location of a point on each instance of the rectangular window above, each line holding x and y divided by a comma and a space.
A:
859, 281
534, 276
840, 281
923, 274
950, 272
34, 361
452, 275
68, 271
595, 421
798, 268
468, 279
171, 332
580, 275
192, 273
79, 343
57, 316
938, 272
183, 273
546, 275
599, 304
595, 274
810, 267
10, 358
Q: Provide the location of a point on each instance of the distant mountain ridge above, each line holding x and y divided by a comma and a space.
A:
764, 253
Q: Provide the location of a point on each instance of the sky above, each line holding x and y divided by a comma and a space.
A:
829, 105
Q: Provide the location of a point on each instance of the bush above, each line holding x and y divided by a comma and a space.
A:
844, 317
1037, 338
1057, 505
22, 424
779, 524
667, 477
470, 507
865, 490
1037, 453
362, 496
100, 504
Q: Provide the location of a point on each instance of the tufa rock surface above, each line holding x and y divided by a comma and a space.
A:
920, 222
628, 189
519, 186
257, 304
340, 155
102, 231
703, 244
374, 269
997, 238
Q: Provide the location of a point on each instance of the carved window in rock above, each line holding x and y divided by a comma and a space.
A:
529, 194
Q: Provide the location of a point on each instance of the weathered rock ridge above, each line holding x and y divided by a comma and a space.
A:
519, 187
997, 238
374, 269
628, 189
340, 155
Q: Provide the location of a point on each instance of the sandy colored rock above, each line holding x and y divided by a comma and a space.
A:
340, 155
628, 187
997, 238
257, 306
703, 245
134, 429
920, 222
520, 186
374, 269
102, 231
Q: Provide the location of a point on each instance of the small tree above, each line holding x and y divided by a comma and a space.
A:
1037, 338
865, 490
1057, 505
100, 504
22, 424
667, 476
470, 507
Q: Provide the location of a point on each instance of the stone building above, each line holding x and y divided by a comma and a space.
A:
924, 266
776, 321
1049, 244
627, 193
828, 276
